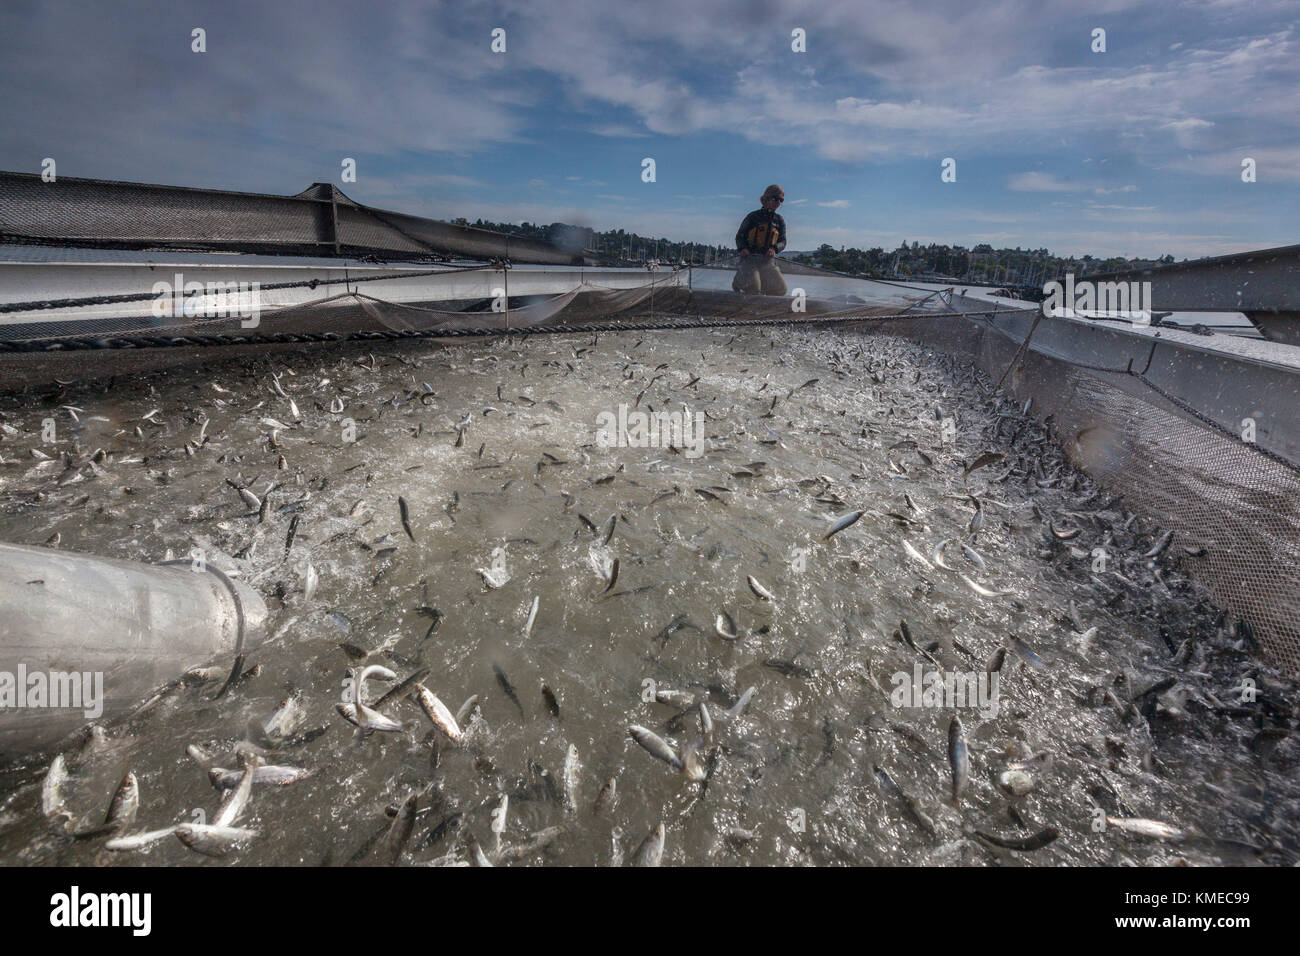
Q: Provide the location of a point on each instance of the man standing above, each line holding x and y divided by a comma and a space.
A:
761, 237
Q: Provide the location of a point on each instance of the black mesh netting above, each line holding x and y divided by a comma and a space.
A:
1232, 506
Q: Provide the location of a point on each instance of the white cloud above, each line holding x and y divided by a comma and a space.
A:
1036, 182
835, 204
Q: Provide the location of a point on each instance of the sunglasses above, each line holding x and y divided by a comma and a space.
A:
777, 198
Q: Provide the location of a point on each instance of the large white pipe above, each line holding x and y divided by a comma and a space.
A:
79, 633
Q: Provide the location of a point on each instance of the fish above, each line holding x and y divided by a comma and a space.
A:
1148, 828
1026, 844
466, 709
651, 850
273, 774
973, 556
532, 616
605, 799
534, 844
572, 768
915, 555
788, 668
760, 592
613, 576
309, 585
284, 720
367, 719
1160, 545
437, 712
138, 841
552, 704
507, 687
725, 627
1015, 782
399, 833
936, 556
476, 851
1028, 653
499, 821
213, 840
958, 759
126, 801
988, 458
740, 705
913, 806
406, 517
656, 746
237, 799
675, 698
981, 590
845, 521
52, 800
396, 691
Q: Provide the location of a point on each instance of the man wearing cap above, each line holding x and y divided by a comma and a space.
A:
761, 237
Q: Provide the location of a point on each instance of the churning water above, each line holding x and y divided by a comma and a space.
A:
497, 451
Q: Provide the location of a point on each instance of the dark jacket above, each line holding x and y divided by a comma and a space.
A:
760, 231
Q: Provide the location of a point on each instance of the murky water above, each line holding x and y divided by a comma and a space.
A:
793, 778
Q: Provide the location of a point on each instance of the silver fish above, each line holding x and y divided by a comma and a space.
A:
760, 592
532, 616
466, 709
656, 746
273, 774
981, 590
915, 555
400, 830
126, 801
608, 794
52, 802
570, 776
675, 698
284, 720
437, 712
958, 758
973, 557
651, 850
367, 719
213, 840
725, 627
841, 523
138, 841
237, 799
741, 704
936, 556
1148, 828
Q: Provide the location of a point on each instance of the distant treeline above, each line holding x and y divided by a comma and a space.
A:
982, 263
614, 245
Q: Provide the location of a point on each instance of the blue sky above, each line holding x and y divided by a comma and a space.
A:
1135, 151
